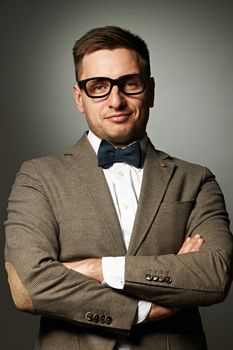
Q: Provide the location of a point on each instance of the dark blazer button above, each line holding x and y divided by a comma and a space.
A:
161, 279
155, 278
89, 316
149, 277
108, 319
102, 318
168, 279
96, 318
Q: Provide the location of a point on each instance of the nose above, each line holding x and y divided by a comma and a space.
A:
116, 98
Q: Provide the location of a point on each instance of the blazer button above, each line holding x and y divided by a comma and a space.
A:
168, 279
102, 318
149, 277
108, 319
155, 278
89, 316
96, 318
161, 279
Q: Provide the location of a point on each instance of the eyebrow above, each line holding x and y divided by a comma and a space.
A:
120, 77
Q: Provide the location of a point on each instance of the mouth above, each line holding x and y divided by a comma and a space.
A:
118, 117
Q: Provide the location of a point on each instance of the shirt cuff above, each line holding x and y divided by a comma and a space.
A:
143, 310
113, 269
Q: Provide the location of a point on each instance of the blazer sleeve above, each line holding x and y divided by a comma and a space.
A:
191, 279
39, 283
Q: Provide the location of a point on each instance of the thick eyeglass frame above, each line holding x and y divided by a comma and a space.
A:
118, 82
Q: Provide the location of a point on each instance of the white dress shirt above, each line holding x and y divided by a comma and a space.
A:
124, 182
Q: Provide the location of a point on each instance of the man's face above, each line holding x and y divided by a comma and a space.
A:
118, 118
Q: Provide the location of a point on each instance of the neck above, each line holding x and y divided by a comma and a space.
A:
124, 143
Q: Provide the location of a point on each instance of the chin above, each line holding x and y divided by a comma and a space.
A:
122, 140
122, 136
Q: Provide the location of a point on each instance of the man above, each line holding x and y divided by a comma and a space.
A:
114, 243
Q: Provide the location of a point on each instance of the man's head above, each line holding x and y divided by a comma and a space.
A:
116, 108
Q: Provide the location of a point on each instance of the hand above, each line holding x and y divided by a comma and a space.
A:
158, 312
191, 244
89, 267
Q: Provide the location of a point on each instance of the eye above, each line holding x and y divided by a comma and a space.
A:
96, 87
132, 84
99, 86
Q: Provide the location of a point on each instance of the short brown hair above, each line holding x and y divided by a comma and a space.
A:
110, 37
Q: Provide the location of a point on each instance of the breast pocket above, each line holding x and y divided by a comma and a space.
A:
175, 215
170, 225
176, 207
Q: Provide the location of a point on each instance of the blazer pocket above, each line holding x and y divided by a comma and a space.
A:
174, 216
169, 207
170, 226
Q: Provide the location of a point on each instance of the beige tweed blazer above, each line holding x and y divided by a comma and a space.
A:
60, 209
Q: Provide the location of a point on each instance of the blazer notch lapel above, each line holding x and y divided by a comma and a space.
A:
82, 159
158, 171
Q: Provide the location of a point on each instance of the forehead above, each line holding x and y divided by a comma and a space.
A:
110, 63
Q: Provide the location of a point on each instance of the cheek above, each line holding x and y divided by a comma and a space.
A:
139, 108
93, 114
89, 107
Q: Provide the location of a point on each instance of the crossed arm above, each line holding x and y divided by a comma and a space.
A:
40, 283
92, 268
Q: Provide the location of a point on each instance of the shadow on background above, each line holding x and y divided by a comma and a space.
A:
191, 48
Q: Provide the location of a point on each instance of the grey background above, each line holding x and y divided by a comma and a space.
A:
191, 44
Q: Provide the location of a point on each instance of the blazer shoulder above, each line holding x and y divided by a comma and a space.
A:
55, 160
184, 166
191, 167
40, 163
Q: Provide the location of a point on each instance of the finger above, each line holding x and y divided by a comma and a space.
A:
197, 245
185, 246
190, 243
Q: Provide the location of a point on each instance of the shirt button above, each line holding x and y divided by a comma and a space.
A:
126, 206
120, 173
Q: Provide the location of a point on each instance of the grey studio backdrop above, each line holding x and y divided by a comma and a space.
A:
191, 44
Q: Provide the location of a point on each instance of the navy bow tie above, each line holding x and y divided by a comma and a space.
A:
108, 154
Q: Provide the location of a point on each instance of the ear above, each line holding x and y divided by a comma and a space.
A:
78, 98
151, 92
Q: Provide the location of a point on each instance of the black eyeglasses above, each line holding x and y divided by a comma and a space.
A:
131, 84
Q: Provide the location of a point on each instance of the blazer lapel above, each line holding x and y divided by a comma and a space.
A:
82, 160
157, 174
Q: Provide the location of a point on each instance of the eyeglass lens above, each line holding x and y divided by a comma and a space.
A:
99, 87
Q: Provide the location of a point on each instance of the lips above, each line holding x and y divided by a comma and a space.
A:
119, 117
